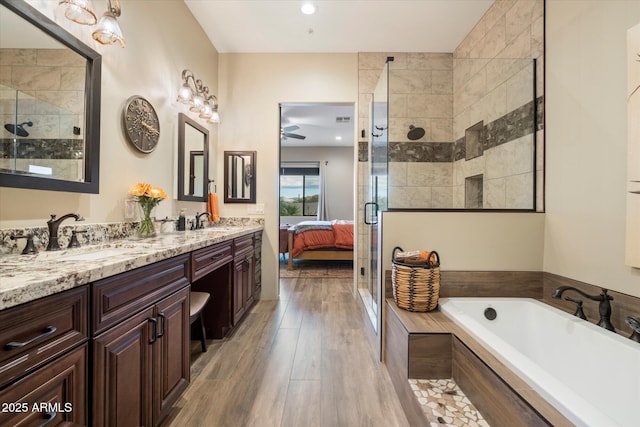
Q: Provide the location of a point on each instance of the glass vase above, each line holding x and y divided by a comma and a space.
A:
147, 226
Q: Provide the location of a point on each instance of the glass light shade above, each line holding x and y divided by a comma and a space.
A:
108, 31
198, 103
215, 117
79, 11
185, 94
206, 112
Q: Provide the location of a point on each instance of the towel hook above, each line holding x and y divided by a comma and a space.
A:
215, 187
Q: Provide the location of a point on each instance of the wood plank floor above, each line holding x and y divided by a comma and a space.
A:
303, 360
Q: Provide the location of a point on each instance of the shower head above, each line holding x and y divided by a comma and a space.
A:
415, 133
18, 130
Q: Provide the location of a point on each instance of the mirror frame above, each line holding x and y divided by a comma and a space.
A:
252, 191
183, 121
93, 81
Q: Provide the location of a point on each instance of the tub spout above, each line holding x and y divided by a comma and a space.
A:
604, 307
635, 325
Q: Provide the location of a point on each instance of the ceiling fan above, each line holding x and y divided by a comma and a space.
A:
285, 132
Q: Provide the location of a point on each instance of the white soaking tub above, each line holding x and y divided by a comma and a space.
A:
589, 374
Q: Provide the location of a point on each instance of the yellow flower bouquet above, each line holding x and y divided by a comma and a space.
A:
148, 197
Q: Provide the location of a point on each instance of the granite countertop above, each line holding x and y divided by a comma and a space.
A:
24, 278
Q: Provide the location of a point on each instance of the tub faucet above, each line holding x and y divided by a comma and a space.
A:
199, 223
604, 308
53, 225
634, 323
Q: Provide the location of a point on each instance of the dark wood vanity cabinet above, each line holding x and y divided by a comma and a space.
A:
243, 276
257, 264
141, 360
43, 360
122, 340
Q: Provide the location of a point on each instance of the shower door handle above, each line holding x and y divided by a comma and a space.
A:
373, 217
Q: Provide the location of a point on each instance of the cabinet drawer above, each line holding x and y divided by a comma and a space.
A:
34, 333
120, 296
242, 243
58, 391
206, 260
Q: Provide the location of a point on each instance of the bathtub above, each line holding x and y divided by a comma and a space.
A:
590, 375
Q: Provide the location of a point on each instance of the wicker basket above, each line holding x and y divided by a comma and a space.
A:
416, 287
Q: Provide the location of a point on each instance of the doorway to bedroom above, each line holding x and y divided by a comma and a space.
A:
317, 189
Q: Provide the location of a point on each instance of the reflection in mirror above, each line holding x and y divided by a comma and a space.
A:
239, 176
49, 104
193, 160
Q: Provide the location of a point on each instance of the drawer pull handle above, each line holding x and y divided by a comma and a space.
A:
163, 318
154, 333
16, 344
217, 257
48, 417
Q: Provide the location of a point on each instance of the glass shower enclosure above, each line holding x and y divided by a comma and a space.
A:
376, 194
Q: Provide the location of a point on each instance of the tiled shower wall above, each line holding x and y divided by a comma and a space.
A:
53, 112
493, 82
485, 78
34, 72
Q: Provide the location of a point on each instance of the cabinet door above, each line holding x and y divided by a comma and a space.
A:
249, 287
239, 279
171, 352
53, 394
122, 377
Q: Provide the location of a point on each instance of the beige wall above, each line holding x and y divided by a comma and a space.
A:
161, 41
251, 88
586, 142
483, 241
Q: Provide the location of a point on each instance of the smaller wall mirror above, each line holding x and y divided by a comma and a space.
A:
239, 177
193, 160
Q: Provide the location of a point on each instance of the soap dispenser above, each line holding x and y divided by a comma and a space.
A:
182, 222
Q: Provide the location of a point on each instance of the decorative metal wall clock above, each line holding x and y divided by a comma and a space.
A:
141, 124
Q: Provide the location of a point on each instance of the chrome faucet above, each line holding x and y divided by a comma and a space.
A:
53, 225
199, 225
604, 308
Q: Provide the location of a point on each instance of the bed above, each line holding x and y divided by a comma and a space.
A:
321, 240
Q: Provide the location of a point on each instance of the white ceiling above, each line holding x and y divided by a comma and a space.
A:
278, 26
338, 25
317, 122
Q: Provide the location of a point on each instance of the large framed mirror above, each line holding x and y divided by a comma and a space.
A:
49, 104
239, 177
193, 160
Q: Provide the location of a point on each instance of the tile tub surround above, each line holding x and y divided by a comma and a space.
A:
497, 398
27, 277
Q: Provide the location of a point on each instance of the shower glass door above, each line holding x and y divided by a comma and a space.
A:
377, 192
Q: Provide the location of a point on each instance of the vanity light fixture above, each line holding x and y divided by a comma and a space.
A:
108, 31
196, 95
79, 11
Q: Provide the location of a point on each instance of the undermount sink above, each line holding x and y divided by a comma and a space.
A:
92, 256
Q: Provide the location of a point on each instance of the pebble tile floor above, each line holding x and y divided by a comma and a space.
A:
445, 404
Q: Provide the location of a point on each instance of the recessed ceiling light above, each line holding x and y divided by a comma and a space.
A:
338, 138
308, 8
